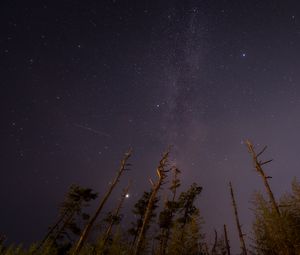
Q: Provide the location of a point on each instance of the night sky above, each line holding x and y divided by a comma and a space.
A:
82, 81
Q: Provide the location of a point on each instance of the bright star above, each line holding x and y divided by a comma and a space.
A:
127, 195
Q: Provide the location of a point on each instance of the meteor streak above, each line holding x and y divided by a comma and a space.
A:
97, 132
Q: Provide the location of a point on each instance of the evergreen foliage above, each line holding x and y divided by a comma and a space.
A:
172, 227
276, 234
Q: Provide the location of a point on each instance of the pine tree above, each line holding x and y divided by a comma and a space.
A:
70, 213
187, 240
186, 236
139, 213
281, 216
275, 234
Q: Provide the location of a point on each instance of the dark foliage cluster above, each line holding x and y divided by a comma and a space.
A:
169, 226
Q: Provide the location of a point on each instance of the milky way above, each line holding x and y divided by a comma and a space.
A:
83, 82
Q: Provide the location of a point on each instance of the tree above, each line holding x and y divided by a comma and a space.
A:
161, 174
258, 166
166, 216
219, 246
186, 204
84, 235
115, 217
237, 220
189, 239
70, 213
275, 234
280, 218
186, 237
226, 240
139, 212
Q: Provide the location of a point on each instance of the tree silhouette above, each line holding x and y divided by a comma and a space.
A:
161, 174
124, 166
70, 212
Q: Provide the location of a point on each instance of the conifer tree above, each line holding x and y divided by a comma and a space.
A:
187, 240
275, 234
139, 213
186, 236
70, 212
186, 203
258, 164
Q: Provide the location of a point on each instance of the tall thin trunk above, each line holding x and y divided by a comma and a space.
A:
87, 229
116, 214
238, 225
56, 225
161, 173
60, 231
258, 166
166, 234
226, 240
214, 248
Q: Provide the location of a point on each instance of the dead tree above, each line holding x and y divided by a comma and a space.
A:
52, 229
88, 227
75, 200
115, 217
238, 225
161, 173
258, 166
214, 248
169, 210
226, 240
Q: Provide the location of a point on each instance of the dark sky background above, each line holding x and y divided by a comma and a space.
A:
82, 81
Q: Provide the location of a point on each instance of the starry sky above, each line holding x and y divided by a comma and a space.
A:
82, 81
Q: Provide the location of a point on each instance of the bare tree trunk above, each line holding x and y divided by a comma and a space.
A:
161, 173
52, 229
67, 221
214, 248
116, 214
89, 225
258, 166
241, 236
226, 240
166, 233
